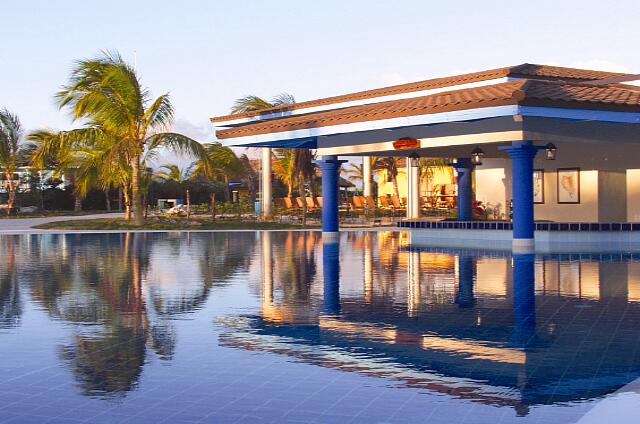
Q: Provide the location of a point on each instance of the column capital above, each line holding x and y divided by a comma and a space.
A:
462, 164
329, 162
521, 149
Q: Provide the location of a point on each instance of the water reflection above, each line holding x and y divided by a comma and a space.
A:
515, 331
119, 305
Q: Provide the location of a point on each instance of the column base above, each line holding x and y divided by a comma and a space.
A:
330, 236
523, 245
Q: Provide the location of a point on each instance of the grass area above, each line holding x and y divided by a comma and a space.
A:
47, 214
194, 223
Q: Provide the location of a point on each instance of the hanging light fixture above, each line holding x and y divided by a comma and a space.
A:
414, 158
476, 156
551, 150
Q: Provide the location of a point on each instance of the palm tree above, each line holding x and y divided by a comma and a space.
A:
305, 171
284, 168
52, 152
14, 152
106, 91
390, 166
284, 158
353, 172
218, 163
171, 173
252, 103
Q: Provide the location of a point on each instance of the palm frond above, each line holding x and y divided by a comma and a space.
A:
249, 103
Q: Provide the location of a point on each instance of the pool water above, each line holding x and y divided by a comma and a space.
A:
274, 327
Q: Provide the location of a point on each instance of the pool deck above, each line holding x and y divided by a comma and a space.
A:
24, 225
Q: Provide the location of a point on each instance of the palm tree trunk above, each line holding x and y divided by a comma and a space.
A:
107, 200
227, 189
304, 201
11, 195
77, 201
394, 182
120, 199
213, 206
188, 198
136, 196
127, 203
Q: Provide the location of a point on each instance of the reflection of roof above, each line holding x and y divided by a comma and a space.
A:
520, 71
469, 353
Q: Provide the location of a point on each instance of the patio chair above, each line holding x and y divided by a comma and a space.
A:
358, 202
395, 203
385, 203
289, 204
311, 205
319, 201
300, 202
370, 202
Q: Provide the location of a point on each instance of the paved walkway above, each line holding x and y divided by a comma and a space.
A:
20, 225
25, 225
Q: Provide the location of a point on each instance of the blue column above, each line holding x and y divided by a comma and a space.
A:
524, 300
522, 154
465, 190
329, 166
331, 274
466, 271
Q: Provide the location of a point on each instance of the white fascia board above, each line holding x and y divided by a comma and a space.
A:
371, 100
408, 121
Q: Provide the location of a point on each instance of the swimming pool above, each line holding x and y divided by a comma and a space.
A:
274, 327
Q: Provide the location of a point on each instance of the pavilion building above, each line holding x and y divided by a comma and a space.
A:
555, 149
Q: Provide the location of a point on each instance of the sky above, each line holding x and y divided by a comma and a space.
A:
206, 54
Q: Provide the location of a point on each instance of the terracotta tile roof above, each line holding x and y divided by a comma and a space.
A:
526, 70
521, 92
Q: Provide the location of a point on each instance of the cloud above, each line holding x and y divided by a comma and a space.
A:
199, 132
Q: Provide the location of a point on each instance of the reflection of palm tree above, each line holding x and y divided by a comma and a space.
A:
10, 302
111, 363
299, 265
103, 279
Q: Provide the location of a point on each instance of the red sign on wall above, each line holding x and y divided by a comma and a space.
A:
406, 143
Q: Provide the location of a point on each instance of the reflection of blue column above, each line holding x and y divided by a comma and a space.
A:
524, 300
466, 270
522, 154
331, 272
464, 169
329, 166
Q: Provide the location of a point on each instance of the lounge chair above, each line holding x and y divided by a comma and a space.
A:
370, 202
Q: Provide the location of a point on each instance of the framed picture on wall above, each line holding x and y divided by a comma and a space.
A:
568, 185
538, 186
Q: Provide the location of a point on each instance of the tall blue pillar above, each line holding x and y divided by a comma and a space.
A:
522, 154
524, 300
329, 166
331, 274
464, 167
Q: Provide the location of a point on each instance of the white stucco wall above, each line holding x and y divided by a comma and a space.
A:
492, 185
633, 195
585, 211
